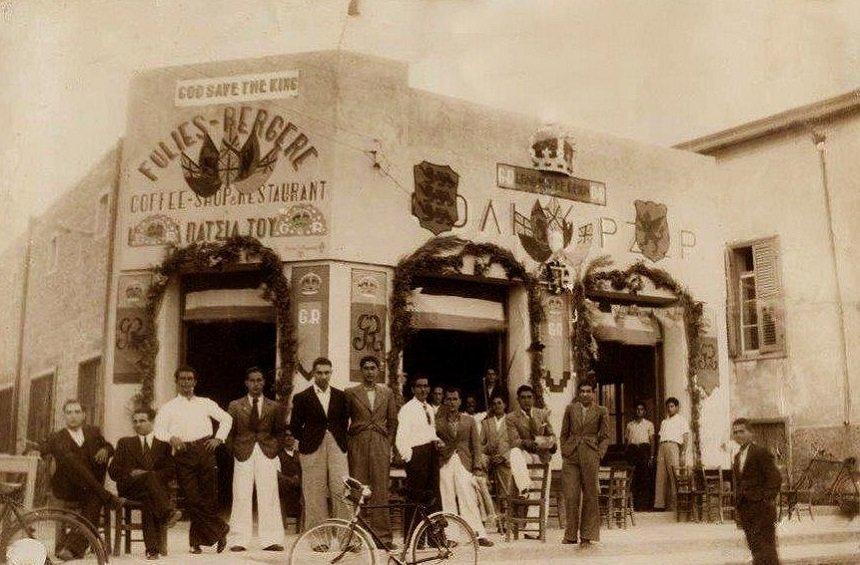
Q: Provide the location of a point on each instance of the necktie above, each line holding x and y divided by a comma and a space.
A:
426, 413
533, 424
254, 422
147, 459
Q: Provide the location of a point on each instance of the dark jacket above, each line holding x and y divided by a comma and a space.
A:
760, 479
63, 449
129, 456
269, 433
309, 422
461, 439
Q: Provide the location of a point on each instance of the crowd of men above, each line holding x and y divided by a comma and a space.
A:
299, 459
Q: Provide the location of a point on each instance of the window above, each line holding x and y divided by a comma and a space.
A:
7, 439
755, 299
89, 387
40, 418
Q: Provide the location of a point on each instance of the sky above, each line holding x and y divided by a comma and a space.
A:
661, 71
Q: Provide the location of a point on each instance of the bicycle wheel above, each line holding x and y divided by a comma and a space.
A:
446, 538
48, 533
334, 542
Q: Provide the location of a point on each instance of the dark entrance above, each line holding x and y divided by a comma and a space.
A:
454, 358
220, 352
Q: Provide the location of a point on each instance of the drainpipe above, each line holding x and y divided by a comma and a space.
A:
820, 141
19, 362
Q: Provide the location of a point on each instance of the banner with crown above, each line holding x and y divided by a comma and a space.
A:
368, 318
131, 327
310, 288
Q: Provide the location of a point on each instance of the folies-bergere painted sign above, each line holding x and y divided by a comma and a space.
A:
434, 200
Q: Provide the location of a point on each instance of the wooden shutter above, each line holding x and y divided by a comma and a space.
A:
6, 424
769, 301
41, 414
732, 309
89, 383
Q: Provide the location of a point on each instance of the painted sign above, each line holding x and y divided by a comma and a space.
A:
131, 328
523, 179
232, 89
434, 200
652, 229
310, 289
556, 337
368, 318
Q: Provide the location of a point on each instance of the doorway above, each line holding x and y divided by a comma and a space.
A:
454, 358
220, 352
627, 374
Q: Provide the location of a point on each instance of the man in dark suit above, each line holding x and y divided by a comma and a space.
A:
584, 438
758, 481
81, 455
319, 421
254, 441
142, 467
493, 386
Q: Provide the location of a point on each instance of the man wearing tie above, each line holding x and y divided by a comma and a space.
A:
528, 423
496, 444
142, 467
319, 422
254, 441
758, 481
373, 422
185, 422
584, 438
418, 445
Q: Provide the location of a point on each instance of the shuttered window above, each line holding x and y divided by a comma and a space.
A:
7, 432
41, 412
89, 387
755, 299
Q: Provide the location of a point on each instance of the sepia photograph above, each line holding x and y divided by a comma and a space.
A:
369, 282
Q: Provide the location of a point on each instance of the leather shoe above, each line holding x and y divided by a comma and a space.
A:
195, 549
237, 548
151, 556
65, 555
274, 547
484, 542
222, 543
569, 541
174, 518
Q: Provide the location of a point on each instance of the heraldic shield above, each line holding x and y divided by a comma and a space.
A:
652, 229
434, 200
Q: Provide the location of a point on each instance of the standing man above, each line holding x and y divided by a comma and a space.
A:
418, 445
493, 387
639, 437
674, 433
496, 444
528, 423
373, 424
319, 422
81, 455
254, 441
143, 468
584, 439
436, 397
460, 457
758, 482
185, 422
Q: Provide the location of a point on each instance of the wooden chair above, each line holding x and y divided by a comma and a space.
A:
518, 509
711, 479
103, 527
556, 499
126, 526
795, 498
686, 494
619, 503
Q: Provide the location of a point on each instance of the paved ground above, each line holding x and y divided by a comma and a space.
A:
655, 541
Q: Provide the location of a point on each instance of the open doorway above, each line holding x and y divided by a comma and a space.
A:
454, 358
220, 352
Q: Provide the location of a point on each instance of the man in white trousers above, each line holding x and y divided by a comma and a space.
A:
255, 440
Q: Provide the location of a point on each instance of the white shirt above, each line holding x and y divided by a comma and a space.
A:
412, 427
188, 419
673, 429
77, 436
742, 457
371, 395
640, 432
500, 422
324, 397
148, 437
259, 404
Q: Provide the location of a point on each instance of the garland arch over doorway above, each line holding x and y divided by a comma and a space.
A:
444, 255
212, 256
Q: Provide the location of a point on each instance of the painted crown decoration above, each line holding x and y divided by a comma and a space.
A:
552, 150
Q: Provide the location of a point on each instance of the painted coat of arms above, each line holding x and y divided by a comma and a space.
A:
652, 229
434, 200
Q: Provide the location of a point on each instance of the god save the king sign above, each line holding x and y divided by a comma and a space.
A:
233, 169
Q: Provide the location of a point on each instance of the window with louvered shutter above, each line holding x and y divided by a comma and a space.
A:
41, 413
768, 288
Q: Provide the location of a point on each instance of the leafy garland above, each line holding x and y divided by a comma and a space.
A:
218, 256
444, 255
584, 346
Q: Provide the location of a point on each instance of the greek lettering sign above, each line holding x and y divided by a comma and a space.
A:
131, 328
537, 181
368, 317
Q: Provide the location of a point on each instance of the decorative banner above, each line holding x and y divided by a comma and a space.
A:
652, 229
243, 88
310, 288
434, 200
708, 364
131, 327
512, 177
556, 332
368, 317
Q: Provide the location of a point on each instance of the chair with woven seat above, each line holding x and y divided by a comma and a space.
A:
519, 510
687, 494
126, 526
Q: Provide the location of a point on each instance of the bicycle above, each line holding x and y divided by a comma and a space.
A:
38, 536
440, 537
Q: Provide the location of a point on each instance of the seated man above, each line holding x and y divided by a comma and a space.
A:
290, 478
143, 468
81, 455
